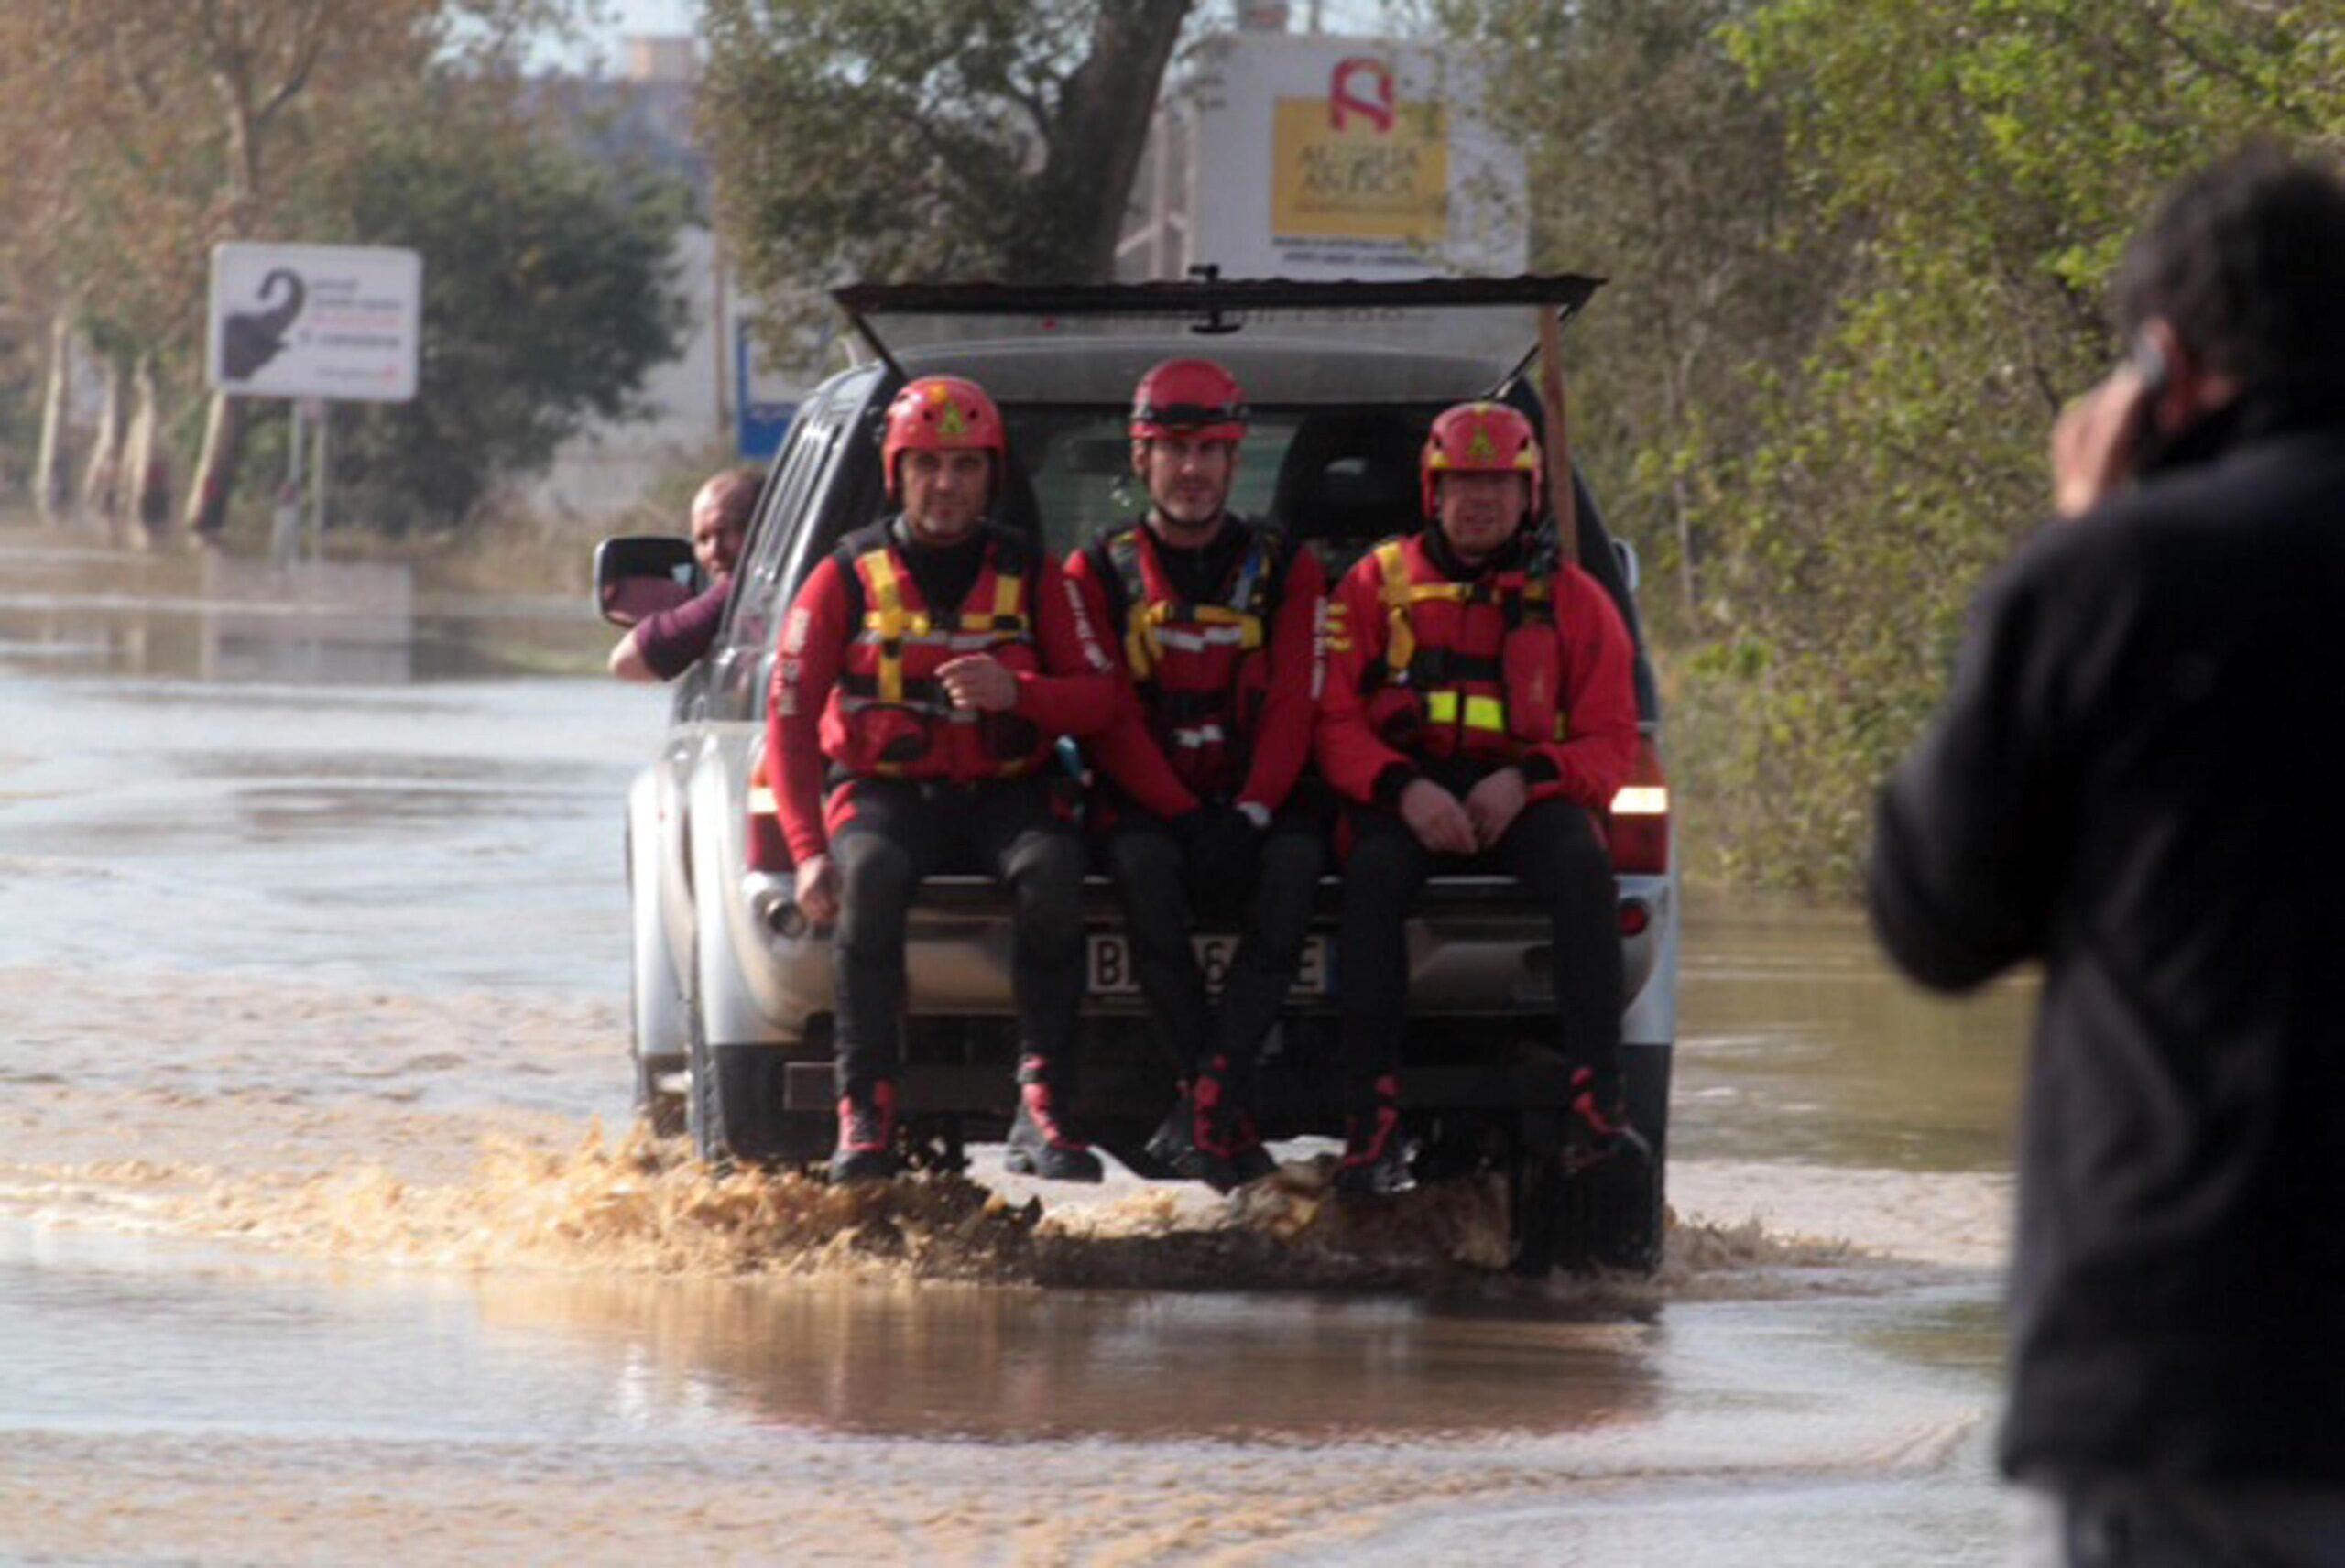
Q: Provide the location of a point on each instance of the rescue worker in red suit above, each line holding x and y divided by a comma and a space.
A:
1479, 716
1219, 621
927, 668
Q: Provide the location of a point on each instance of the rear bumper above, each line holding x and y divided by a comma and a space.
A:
1475, 949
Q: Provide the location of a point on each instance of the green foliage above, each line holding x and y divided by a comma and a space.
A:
549, 292
1860, 250
140, 134
1654, 162
890, 121
1990, 159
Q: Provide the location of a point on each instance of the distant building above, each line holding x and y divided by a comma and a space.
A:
643, 116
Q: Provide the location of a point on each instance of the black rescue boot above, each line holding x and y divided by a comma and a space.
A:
1598, 1126
1228, 1149
867, 1146
1173, 1144
1209, 1137
1039, 1144
1247, 1155
1374, 1161
1186, 1142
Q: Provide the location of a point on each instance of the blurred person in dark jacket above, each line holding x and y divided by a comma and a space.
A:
2136, 781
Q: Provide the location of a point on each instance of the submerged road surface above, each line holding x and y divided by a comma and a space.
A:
312, 967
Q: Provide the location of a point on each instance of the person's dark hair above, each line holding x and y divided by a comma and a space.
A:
2245, 259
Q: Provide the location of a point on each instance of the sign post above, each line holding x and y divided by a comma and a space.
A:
317, 324
320, 414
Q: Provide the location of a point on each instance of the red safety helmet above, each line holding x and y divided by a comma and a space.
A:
1193, 398
941, 413
1480, 438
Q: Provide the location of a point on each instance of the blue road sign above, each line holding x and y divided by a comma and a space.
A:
759, 425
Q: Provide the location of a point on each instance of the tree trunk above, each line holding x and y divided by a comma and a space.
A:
145, 486
99, 487
223, 427
215, 471
1685, 592
52, 491
1676, 375
1100, 131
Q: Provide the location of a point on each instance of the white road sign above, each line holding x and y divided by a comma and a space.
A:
339, 321
1324, 158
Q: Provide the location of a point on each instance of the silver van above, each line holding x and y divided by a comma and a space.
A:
732, 993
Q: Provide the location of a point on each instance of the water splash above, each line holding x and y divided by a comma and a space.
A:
638, 1205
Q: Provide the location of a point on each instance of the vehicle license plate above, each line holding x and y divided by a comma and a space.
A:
1111, 974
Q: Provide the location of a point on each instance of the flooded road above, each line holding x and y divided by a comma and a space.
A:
312, 966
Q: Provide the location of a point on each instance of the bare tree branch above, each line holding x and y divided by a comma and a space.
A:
309, 41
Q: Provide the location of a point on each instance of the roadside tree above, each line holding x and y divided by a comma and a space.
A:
141, 135
267, 61
548, 293
1654, 160
929, 138
1988, 158
104, 205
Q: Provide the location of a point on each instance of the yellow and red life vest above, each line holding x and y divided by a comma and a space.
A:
889, 714
1470, 669
1202, 669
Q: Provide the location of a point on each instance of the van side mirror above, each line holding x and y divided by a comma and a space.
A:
639, 575
1632, 569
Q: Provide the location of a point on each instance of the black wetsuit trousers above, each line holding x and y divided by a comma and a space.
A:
900, 831
1152, 871
1554, 850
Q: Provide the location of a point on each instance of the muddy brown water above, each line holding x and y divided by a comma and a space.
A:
312, 982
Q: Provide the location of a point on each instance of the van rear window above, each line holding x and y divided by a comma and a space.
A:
1341, 478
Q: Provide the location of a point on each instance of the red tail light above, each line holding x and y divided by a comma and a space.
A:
1640, 818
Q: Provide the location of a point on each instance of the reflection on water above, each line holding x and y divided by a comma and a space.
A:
1962, 1333
979, 1361
464, 835
245, 1411
125, 1330
349, 622
215, 617
1796, 1041
207, 762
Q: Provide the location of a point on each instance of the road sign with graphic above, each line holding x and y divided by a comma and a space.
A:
298, 320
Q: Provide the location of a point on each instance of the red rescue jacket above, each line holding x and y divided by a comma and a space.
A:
856, 692
1463, 676
1222, 690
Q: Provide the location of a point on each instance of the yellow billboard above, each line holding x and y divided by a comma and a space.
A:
1359, 163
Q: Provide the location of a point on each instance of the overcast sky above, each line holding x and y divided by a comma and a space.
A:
651, 17
624, 17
